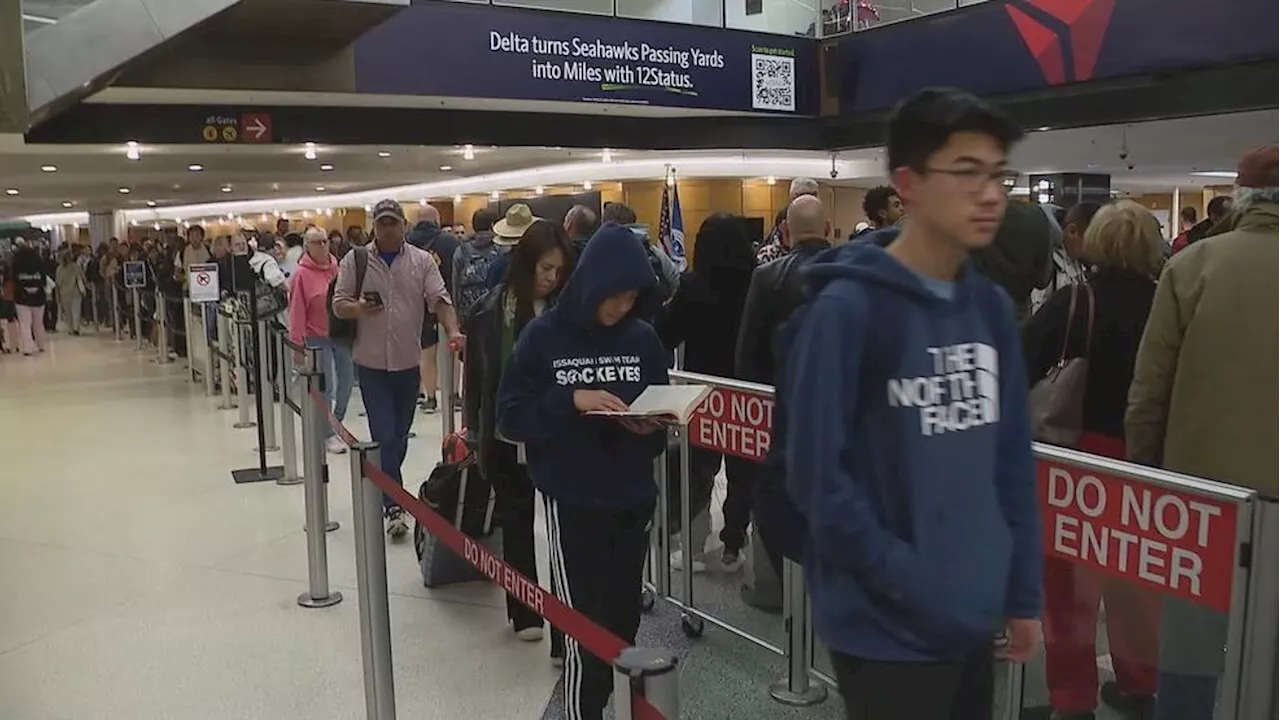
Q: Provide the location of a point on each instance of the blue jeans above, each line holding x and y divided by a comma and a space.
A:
390, 399
339, 374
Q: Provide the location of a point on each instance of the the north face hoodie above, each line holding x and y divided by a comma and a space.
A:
908, 451
575, 458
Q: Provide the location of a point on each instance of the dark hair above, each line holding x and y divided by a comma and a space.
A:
1188, 215
1218, 207
1080, 215
266, 242
617, 212
877, 201
540, 238
922, 125
195, 229
336, 233
483, 219
293, 240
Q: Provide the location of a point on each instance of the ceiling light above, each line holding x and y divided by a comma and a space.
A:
124, 191
309, 151
606, 155
446, 168
306, 214
1216, 174
422, 202
131, 150
384, 154
133, 222
185, 225
276, 213
48, 168
195, 167
771, 180
319, 210
1042, 128
586, 184
75, 226
179, 220
156, 226
468, 152
328, 212
457, 198
495, 194
319, 188
537, 190
151, 203
368, 208
67, 204
226, 188
11, 191
326, 167
263, 217
231, 216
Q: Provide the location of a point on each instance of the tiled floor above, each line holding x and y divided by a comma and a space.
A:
138, 582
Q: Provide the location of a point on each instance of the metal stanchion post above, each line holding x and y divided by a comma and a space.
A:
648, 673
225, 347
266, 388
186, 337
318, 594
210, 357
313, 365
444, 369
691, 623
137, 317
162, 332
796, 689
288, 447
371, 587
93, 307
662, 543
242, 378
115, 311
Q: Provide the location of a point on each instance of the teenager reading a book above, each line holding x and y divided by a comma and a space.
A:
590, 353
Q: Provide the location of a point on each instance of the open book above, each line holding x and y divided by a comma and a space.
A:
666, 403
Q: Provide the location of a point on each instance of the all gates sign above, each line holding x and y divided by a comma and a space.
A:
734, 422
1178, 543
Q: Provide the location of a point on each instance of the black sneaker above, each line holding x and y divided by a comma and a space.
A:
1131, 707
731, 559
397, 528
429, 405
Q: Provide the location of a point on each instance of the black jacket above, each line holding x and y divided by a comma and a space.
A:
29, 278
704, 315
777, 289
1122, 302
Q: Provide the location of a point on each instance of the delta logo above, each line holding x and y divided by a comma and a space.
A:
1064, 36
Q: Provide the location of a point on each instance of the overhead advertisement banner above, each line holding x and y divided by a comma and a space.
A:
442, 49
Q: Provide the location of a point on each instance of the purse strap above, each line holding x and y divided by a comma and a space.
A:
1071, 314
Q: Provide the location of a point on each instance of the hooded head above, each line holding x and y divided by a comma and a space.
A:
422, 234
612, 279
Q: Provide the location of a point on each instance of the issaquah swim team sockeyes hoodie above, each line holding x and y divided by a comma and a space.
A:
573, 458
908, 450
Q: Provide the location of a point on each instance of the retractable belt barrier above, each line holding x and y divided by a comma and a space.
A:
591, 636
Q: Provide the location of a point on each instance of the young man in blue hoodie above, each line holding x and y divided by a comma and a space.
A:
591, 352
907, 443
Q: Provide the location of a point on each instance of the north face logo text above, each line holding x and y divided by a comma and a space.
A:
963, 392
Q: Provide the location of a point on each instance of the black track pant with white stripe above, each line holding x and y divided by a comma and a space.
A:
597, 560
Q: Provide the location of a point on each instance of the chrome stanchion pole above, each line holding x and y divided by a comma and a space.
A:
662, 541
137, 317
115, 311
648, 673
313, 365
242, 377
93, 307
796, 689
210, 357
225, 347
688, 620
371, 587
186, 337
162, 333
444, 372
266, 387
318, 594
288, 440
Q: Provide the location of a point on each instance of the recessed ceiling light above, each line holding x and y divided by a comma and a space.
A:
537, 190
309, 151
1042, 128
384, 154
326, 167
446, 168
606, 155
67, 204
48, 168
132, 151
226, 188
457, 198
1216, 173
468, 152
586, 185
319, 188
151, 203
11, 191
124, 191
495, 194
195, 167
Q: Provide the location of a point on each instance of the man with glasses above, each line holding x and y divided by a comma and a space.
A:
389, 310
902, 417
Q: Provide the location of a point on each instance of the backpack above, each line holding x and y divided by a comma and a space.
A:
665, 288
343, 330
471, 272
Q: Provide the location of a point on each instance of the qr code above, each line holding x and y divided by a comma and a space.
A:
773, 82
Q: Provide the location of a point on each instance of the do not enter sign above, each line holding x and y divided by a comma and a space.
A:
734, 422
202, 285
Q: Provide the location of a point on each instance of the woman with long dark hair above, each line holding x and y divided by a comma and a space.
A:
704, 316
537, 271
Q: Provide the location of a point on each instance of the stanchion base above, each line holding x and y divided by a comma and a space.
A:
306, 601
227, 407
297, 480
329, 527
256, 474
245, 425
813, 695
270, 448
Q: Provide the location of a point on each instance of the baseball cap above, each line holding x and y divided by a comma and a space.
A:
1257, 169
388, 208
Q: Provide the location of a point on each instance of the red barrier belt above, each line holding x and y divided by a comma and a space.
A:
595, 639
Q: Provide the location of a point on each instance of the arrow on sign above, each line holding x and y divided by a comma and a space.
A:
256, 128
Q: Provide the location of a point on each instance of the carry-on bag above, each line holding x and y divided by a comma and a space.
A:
457, 491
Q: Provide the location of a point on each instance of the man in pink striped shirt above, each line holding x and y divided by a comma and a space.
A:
388, 307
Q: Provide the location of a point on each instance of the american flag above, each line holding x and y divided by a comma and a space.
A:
671, 224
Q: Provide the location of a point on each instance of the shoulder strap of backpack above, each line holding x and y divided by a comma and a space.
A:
362, 265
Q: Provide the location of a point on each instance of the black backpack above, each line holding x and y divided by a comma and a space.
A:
343, 330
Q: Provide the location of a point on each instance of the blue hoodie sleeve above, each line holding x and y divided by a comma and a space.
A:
1016, 473
531, 408
821, 392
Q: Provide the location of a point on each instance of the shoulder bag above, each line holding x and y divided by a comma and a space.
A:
1057, 399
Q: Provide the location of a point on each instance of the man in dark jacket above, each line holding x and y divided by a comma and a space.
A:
427, 235
776, 289
1216, 212
580, 222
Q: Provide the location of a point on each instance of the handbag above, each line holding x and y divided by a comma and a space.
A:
1057, 399
268, 301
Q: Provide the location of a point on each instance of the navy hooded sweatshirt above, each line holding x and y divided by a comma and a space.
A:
574, 458
908, 451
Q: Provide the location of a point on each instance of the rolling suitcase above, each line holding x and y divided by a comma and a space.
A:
458, 491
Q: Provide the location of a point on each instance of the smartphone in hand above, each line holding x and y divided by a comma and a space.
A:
372, 297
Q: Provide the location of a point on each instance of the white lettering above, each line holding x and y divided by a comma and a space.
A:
1204, 512
1063, 530
1125, 541
1182, 517
1061, 487
1100, 493
1130, 506
1149, 561
1186, 565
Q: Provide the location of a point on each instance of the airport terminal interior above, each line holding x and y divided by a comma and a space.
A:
161, 456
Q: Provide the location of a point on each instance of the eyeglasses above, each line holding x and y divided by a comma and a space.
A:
975, 179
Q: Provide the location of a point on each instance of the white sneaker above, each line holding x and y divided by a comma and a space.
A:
334, 445
530, 634
397, 528
677, 562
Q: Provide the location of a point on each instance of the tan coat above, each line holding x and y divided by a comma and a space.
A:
1203, 399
